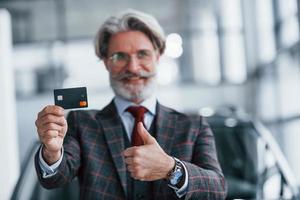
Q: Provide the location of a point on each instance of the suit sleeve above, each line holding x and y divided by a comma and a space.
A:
71, 160
206, 180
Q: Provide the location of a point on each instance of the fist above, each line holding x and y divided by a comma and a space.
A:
51, 128
148, 162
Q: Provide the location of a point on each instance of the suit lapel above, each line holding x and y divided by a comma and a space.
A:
113, 131
165, 129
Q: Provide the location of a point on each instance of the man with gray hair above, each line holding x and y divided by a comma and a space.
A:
134, 148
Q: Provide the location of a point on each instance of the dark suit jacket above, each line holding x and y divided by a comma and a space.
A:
94, 143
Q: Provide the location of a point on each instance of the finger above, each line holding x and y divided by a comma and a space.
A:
50, 118
58, 132
51, 109
49, 135
138, 175
129, 152
129, 160
51, 126
145, 135
132, 174
51, 144
130, 168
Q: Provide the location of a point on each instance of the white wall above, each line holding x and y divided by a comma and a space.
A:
9, 167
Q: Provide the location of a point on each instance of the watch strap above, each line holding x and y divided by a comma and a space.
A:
173, 175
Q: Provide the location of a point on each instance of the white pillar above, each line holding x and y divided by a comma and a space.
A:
9, 155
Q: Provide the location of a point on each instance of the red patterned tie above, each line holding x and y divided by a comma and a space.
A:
138, 113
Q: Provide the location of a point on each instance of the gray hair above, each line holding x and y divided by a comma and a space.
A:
130, 20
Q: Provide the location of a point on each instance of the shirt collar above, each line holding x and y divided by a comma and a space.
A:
123, 104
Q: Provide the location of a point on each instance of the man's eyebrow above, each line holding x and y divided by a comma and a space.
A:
117, 52
128, 53
145, 50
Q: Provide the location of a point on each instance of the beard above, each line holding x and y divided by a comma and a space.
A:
133, 92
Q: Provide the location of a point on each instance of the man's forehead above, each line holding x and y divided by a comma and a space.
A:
129, 41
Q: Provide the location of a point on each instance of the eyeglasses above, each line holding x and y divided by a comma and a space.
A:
121, 59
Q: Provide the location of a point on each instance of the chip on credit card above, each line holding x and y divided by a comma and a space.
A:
69, 98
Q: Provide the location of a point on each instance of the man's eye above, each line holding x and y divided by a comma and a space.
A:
143, 54
118, 57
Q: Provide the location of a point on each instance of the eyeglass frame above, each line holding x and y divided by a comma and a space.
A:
127, 59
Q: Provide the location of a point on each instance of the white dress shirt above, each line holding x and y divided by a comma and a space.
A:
128, 119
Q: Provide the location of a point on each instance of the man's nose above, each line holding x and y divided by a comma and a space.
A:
133, 64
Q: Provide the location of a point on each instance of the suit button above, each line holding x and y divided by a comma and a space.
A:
140, 196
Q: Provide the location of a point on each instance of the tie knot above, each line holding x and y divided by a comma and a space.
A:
137, 112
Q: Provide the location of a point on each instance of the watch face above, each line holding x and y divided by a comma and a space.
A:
175, 177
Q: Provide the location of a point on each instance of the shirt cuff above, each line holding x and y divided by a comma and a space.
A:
49, 170
180, 192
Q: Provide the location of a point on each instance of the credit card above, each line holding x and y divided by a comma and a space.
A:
69, 98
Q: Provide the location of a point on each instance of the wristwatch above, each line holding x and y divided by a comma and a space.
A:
175, 175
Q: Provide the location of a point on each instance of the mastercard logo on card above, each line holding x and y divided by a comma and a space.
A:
70, 98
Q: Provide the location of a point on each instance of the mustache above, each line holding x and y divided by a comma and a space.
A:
127, 74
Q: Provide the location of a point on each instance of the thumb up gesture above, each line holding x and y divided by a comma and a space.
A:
149, 161
145, 135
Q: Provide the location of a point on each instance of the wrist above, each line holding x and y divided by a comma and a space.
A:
175, 176
50, 157
170, 166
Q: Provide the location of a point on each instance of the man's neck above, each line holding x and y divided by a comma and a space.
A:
149, 103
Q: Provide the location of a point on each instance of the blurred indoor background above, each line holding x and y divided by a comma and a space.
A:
244, 54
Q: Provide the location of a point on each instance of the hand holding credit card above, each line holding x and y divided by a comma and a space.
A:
69, 98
